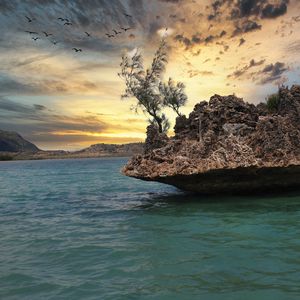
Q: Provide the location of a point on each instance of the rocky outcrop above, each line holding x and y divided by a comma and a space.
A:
227, 145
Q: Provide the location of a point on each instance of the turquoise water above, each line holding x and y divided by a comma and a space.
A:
77, 229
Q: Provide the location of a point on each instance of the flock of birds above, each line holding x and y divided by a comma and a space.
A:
35, 36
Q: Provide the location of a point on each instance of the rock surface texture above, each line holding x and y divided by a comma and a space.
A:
227, 146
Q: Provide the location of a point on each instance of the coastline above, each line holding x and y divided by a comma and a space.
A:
47, 155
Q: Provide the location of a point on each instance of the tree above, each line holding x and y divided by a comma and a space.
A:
173, 95
147, 87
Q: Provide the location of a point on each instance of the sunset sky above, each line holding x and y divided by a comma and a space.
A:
62, 99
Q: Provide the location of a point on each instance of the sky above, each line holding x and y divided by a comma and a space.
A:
62, 99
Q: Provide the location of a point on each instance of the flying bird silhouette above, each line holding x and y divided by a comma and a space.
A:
68, 23
31, 32
54, 42
63, 19
35, 38
109, 35
77, 49
125, 29
128, 16
47, 34
88, 34
116, 32
29, 19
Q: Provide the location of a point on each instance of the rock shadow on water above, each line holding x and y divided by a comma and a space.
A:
185, 201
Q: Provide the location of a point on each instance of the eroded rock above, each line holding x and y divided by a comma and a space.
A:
224, 135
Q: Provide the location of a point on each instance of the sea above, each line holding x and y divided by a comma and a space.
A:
79, 229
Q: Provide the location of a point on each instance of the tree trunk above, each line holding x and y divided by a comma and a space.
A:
158, 120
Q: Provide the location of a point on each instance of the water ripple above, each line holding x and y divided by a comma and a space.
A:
78, 229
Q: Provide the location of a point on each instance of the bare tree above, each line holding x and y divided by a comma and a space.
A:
146, 86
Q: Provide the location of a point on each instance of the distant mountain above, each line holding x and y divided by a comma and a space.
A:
13, 142
14, 146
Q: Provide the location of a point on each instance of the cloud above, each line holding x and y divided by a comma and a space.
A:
240, 72
40, 120
39, 107
272, 72
6, 6
245, 27
293, 47
195, 40
274, 10
259, 8
11, 106
194, 73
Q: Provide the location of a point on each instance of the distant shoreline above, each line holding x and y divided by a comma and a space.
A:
14, 147
46, 155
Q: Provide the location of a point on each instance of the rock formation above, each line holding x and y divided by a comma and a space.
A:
227, 145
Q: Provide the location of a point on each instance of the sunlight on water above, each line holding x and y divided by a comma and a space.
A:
78, 229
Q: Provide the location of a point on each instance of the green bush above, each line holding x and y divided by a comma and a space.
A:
273, 102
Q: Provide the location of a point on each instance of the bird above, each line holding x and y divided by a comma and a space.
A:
35, 38
47, 34
29, 19
125, 29
63, 19
88, 34
109, 35
54, 42
116, 32
31, 32
77, 50
128, 16
68, 23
